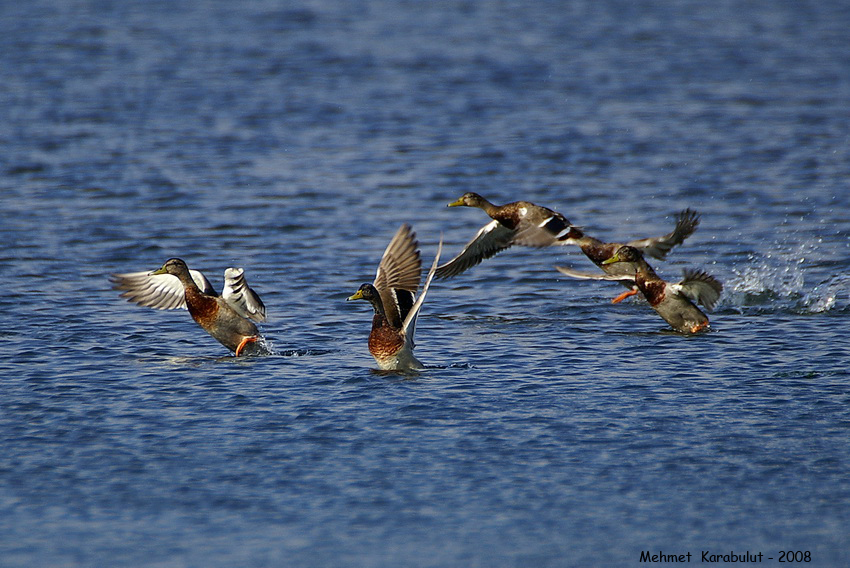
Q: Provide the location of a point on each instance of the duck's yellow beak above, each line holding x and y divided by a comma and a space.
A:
160, 270
612, 260
457, 203
358, 295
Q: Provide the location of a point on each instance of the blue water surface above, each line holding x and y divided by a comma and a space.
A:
551, 428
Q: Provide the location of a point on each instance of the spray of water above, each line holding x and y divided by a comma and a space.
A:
788, 278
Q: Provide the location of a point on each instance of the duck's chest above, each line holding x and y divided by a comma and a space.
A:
203, 309
510, 217
653, 290
384, 340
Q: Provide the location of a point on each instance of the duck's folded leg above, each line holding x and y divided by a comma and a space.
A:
245, 341
625, 295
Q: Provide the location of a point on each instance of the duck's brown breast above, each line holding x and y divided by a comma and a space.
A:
203, 308
384, 340
508, 215
653, 290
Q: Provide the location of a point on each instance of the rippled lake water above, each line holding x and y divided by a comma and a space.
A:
551, 428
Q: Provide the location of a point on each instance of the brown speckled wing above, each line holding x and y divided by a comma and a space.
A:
400, 269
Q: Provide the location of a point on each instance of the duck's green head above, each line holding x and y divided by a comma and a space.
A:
172, 266
468, 199
365, 292
624, 254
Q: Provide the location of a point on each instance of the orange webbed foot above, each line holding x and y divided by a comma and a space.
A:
245, 341
625, 295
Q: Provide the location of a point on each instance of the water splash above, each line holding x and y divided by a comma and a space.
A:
829, 295
266, 347
793, 279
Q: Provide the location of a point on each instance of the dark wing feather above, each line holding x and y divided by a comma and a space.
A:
687, 222
540, 227
404, 300
700, 287
490, 240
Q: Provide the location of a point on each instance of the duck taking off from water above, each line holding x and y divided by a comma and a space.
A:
598, 251
394, 301
674, 302
518, 223
173, 286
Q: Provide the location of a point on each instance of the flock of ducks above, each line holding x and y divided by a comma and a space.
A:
230, 316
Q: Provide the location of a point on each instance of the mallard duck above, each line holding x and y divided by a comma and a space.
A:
598, 251
227, 317
393, 298
673, 302
517, 223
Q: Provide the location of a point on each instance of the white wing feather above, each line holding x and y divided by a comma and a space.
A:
566, 271
158, 291
409, 326
241, 297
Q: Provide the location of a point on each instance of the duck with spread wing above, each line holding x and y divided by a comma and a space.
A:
674, 302
227, 317
393, 295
